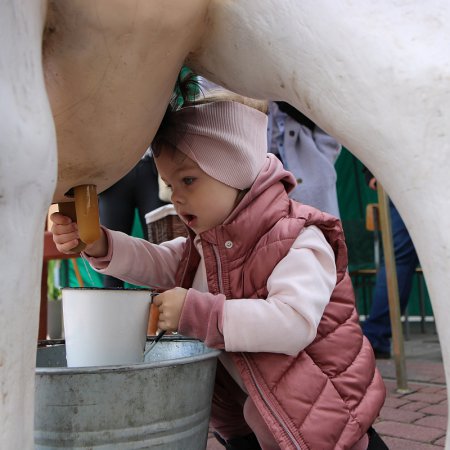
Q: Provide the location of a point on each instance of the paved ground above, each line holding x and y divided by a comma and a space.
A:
415, 420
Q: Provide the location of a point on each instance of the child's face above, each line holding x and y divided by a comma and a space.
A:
201, 201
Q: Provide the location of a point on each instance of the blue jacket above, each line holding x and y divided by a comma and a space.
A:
310, 154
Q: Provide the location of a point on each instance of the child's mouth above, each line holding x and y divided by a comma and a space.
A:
189, 219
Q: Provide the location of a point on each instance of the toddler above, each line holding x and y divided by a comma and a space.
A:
261, 277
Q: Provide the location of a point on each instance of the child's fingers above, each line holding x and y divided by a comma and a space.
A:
157, 301
62, 238
165, 324
60, 219
68, 246
58, 229
65, 236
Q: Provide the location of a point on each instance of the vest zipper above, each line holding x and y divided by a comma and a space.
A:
219, 269
274, 413
186, 265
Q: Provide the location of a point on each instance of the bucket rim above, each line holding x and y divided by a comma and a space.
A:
210, 353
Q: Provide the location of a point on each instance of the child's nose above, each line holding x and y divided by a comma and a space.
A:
177, 196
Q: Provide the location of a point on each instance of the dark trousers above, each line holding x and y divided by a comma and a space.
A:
375, 441
137, 189
377, 328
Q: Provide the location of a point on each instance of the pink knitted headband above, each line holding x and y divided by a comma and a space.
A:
227, 139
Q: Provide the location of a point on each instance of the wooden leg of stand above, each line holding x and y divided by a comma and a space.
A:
392, 288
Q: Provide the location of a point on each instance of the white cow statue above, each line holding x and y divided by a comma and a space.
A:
84, 84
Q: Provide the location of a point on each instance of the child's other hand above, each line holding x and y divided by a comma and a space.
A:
170, 304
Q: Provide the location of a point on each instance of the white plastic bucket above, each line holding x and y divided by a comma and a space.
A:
105, 326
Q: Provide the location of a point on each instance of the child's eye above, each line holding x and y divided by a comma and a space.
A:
188, 180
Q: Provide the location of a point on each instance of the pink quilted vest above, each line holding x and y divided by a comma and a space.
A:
328, 395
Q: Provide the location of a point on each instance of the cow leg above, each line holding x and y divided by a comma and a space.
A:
27, 181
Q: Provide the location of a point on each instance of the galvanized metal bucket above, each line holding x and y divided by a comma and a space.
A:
162, 403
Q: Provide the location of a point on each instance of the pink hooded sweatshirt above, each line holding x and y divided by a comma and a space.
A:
332, 383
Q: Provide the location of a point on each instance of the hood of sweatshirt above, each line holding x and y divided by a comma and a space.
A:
272, 174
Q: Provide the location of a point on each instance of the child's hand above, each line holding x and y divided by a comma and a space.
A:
65, 233
66, 237
170, 304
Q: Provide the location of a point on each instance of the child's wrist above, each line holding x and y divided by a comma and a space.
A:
99, 248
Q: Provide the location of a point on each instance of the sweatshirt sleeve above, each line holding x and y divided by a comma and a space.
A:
138, 261
299, 289
201, 318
